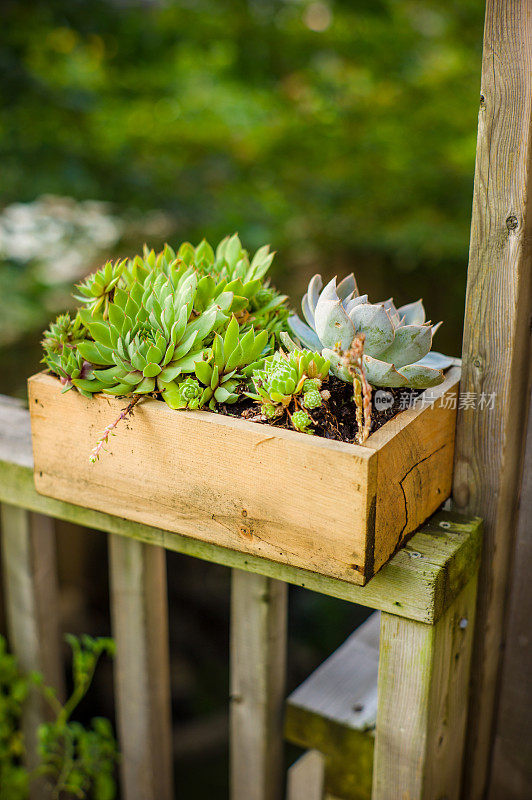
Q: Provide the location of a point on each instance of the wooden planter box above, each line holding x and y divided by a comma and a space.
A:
333, 508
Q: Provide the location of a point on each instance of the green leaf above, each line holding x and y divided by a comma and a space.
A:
235, 359
188, 362
231, 338
221, 394
155, 354
100, 333
186, 252
232, 251
203, 372
205, 252
185, 346
89, 386
172, 396
170, 373
90, 352
204, 323
218, 352
116, 317
146, 386
151, 370
109, 375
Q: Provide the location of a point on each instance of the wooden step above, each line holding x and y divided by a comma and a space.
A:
334, 712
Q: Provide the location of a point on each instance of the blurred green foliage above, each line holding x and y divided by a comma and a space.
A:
74, 761
342, 132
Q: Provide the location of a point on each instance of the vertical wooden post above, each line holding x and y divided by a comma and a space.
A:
496, 351
511, 776
422, 703
306, 777
258, 664
30, 584
139, 608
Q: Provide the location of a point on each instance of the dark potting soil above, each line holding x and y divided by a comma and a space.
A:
336, 418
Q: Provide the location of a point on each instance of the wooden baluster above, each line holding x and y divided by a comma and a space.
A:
30, 586
422, 703
306, 777
258, 665
139, 607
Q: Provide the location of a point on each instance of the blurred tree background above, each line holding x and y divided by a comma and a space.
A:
341, 131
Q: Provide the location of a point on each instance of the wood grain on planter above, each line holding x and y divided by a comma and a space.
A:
303, 501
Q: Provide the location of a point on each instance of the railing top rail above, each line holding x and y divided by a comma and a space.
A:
418, 583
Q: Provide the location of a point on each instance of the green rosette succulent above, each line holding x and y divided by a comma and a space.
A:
284, 376
184, 394
151, 336
97, 290
221, 372
302, 422
64, 332
287, 381
73, 371
229, 269
397, 340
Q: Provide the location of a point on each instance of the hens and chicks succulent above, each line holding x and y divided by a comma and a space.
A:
201, 327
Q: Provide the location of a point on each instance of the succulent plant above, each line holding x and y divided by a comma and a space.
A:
73, 370
302, 422
255, 302
312, 399
285, 379
284, 375
150, 337
97, 290
184, 394
220, 372
64, 332
231, 357
396, 339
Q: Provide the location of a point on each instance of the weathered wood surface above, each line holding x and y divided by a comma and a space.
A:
31, 599
496, 352
139, 612
278, 496
423, 690
417, 583
258, 668
415, 466
511, 772
306, 777
334, 712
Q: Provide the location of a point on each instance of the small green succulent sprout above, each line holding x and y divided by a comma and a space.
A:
312, 399
281, 381
397, 340
302, 422
97, 290
223, 372
312, 384
64, 332
270, 411
73, 371
184, 394
284, 375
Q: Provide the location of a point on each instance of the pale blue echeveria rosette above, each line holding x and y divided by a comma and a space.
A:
397, 340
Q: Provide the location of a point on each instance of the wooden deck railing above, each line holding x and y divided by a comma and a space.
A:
426, 593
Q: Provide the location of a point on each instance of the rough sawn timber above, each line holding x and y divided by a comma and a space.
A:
497, 347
